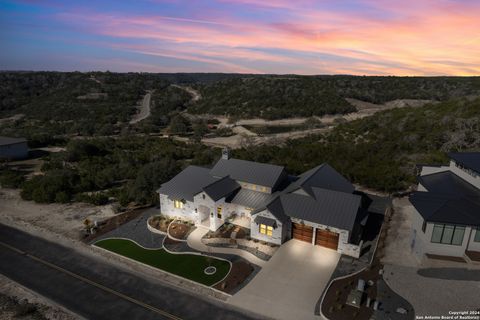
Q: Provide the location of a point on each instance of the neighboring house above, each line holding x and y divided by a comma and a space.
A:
447, 208
13, 148
318, 207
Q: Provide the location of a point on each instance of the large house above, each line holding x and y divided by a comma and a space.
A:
318, 207
13, 148
446, 220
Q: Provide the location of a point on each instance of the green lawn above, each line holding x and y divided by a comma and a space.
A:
188, 266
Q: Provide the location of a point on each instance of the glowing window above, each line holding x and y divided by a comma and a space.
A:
178, 204
266, 230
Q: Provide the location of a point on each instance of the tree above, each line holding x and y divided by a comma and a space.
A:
150, 177
178, 125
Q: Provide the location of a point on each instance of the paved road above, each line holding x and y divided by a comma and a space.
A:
95, 289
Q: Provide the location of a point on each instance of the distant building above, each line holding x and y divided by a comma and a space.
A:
446, 220
13, 148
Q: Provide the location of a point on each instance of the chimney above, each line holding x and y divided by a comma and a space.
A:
225, 153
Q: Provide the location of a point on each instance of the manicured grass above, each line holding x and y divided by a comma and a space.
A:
185, 265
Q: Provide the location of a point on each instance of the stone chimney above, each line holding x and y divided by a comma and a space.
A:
225, 153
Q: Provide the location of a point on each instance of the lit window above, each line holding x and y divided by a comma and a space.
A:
448, 234
178, 204
267, 230
219, 212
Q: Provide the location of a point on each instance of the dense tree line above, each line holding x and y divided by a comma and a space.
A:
274, 97
127, 169
381, 151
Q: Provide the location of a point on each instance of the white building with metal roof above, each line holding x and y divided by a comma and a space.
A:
318, 207
446, 220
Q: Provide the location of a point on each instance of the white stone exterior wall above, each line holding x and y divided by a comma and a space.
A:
278, 234
14, 151
167, 208
202, 199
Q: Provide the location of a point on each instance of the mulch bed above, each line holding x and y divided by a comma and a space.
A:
334, 306
473, 255
225, 231
238, 274
180, 230
113, 223
160, 223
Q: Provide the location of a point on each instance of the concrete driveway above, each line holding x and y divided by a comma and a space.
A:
290, 284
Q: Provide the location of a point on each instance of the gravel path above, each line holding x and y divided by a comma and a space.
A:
137, 231
144, 109
431, 296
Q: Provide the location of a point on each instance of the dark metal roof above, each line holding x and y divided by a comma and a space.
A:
470, 160
329, 207
322, 176
249, 198
221, 188
447, 208
4, 141
187, 183
252, 172
276, 209
266, 221
446, 182
449, 199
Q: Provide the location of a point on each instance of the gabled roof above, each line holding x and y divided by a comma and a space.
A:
187, 183
449, 199
322, 176
329, 207
5, 141
447, 208
247, 171
469, 160
221, 188
446, 182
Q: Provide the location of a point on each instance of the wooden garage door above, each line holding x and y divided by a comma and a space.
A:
302, 232
327, 239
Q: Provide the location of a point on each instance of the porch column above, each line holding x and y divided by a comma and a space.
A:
314, 236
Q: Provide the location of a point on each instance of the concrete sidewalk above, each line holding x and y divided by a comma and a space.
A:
194, 241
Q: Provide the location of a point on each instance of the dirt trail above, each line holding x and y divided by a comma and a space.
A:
244, 136
194, 93
144, 108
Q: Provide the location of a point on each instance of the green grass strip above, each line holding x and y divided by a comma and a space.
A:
188, 266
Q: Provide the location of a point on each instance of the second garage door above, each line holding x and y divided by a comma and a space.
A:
302, 232
327, 239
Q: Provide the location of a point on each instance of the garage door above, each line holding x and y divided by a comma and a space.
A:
327, 239
302, 232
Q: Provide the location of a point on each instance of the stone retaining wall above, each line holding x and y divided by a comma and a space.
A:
263, 248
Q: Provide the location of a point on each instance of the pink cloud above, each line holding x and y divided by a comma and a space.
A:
407, 43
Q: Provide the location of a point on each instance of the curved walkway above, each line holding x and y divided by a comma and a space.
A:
194, 240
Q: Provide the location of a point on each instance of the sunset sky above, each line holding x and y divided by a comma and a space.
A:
363, 37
